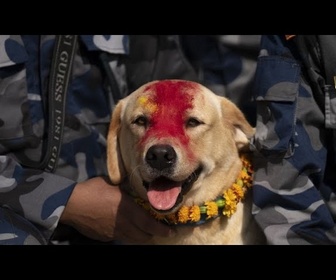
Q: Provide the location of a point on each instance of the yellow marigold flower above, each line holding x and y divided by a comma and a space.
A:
183, 214
243, 174
229, 196
195, 213
229, 209
247, 181
238, 190
239, 182
212, 209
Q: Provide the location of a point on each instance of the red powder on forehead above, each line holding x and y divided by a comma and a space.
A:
172, 99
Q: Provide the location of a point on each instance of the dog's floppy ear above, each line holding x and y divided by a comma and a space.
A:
115, 166
243, 130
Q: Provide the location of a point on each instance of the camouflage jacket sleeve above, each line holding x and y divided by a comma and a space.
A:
294, 182
38, 196
25, 63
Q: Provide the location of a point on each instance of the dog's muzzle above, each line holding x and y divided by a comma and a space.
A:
166, 195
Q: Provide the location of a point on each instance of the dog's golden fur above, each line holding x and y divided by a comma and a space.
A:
167, 130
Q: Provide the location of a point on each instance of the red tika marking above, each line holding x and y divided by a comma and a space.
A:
172, 98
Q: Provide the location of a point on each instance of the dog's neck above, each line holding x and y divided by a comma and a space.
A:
224, 205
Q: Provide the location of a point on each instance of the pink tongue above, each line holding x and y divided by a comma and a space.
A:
162, 193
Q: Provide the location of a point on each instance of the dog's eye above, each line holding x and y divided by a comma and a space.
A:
141, 121
193, 122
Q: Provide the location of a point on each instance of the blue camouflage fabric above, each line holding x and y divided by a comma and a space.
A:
31, 200
223, 63
226, 64
294, 158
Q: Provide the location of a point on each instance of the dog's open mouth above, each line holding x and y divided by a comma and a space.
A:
164, 194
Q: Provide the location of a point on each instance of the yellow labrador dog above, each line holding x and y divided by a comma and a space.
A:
179, 146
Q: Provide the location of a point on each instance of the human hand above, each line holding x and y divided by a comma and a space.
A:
105, 213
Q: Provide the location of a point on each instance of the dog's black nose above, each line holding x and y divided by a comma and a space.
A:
161, 156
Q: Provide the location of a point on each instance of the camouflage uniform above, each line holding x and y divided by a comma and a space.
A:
31, 201
226, 64
295, 178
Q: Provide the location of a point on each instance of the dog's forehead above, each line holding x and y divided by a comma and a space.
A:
179, 94
170, 92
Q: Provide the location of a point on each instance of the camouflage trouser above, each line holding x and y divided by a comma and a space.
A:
15, 230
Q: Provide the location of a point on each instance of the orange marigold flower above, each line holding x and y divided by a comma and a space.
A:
212, 209
230, 209
244, 174
183, 214
195, 213
247, 181
229, 196
239, 181
238, 190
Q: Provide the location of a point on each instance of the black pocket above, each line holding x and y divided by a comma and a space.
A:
276, 89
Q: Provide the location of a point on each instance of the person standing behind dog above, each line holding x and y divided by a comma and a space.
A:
53, 154
295, 143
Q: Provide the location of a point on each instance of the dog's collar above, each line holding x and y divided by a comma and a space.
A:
224, 205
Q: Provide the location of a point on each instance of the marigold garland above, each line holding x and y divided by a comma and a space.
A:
225, 204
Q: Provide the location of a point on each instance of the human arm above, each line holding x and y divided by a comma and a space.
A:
95, 208
105, 213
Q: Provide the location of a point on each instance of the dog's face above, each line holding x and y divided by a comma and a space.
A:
177, 142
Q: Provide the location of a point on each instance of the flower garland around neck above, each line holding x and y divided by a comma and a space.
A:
225, 204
